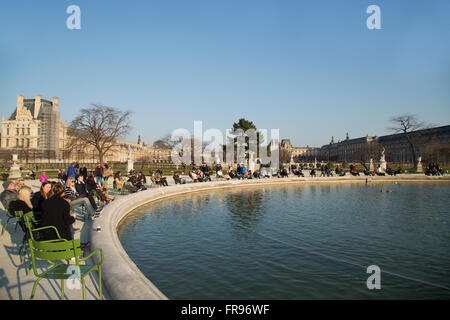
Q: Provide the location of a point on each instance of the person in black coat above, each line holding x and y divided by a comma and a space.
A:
22, 204
83, 191
56, 212
39, 197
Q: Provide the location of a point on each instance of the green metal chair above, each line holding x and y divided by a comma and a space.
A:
30, 222
60, 249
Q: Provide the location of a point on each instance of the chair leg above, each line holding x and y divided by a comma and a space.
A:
100, 282
34, 288
84, 288
62, 289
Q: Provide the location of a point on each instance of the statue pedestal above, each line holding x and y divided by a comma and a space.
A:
130, 166
419, 168
383, 166
14, 171
371, 167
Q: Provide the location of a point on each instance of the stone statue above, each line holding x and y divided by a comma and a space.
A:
383, 165
371, 165
130, 162
419, 164
129, 152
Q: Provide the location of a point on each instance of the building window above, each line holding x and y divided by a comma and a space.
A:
28, 131
17, 141
7, 142
7, 131
28, 143
23, 131
17, 131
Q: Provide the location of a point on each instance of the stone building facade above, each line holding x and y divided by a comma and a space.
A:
35, 132
299, 153
34, 127
432, 145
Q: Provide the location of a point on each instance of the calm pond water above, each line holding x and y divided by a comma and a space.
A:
296, 242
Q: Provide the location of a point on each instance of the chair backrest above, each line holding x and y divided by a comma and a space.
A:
29, 221
56, 249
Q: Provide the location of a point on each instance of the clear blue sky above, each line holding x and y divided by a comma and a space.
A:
310, 68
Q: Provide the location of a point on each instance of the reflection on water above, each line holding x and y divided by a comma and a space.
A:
246, 208
296, 242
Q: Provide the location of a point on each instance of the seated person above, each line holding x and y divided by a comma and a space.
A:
312, 173
283, 173
20, 183
9, 194
141, 178
193, 176
256, 175
22, 203
83, 192
160, 179
298, 172
39, 198
219, 174
380, 172
56, 212
92, 186
43, 177
177, 179
133, 184
118, 181
206, 174
232, 174
75, 199
199, 175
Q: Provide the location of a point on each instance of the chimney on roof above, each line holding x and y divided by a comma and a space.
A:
37, 105
19, 103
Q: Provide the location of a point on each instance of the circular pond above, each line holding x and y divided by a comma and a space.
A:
303, 241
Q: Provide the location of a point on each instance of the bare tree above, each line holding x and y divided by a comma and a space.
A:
100, 127
365, 153
166, 142
410, 127
285, 155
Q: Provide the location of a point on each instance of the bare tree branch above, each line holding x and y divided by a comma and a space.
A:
99, 126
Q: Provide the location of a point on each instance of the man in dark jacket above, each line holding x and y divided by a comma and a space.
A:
9, 194
56, 212
81, 188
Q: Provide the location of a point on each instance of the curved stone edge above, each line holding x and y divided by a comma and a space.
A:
121, 276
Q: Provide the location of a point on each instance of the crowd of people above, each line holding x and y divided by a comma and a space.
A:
434, 170
55, 202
